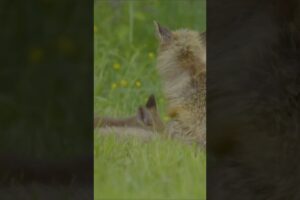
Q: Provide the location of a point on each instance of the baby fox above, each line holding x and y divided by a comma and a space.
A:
182, 66
146, 121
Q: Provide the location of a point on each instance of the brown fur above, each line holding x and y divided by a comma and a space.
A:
182, 66
146, 122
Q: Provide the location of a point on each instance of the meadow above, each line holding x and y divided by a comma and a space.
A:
125, 49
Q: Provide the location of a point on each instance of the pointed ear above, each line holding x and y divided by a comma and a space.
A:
143, 115
164, 34
151, 103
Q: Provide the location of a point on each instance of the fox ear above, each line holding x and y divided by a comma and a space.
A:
151, 102
144, 116
163, 33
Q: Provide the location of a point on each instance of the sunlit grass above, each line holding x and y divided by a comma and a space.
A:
159, 169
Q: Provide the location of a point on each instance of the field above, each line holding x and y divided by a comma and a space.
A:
124, 76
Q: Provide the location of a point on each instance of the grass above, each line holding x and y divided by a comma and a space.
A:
124, 76
159, 169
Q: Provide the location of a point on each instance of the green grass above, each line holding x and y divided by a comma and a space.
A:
124, 76
159, 169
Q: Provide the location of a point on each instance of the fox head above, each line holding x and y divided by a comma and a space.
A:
148, 116
183, 50
182, 65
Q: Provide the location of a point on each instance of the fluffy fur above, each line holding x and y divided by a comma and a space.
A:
182, 66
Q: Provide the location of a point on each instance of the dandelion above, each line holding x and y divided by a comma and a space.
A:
114, 86
116, 66
151, 55
138, 84
123, 83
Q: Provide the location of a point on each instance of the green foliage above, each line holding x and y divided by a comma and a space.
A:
159, 169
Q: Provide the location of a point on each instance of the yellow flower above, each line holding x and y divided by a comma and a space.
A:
123, 83
151, 55
95, 29
114, 86
138, 84
116, 66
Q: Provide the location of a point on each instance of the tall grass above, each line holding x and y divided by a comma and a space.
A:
160, 169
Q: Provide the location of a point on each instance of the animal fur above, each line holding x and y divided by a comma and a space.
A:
182, 66
145, 124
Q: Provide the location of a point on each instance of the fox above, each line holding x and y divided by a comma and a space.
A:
181, 64
145, 123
